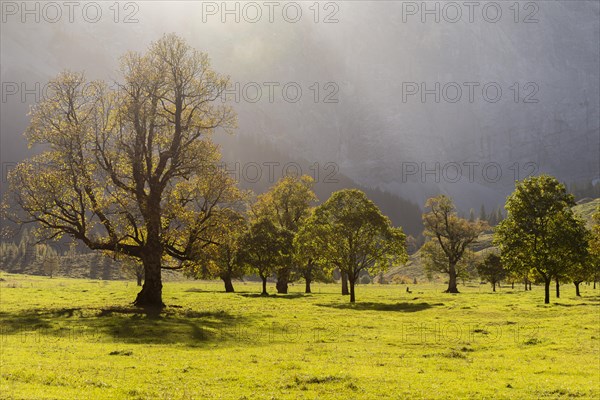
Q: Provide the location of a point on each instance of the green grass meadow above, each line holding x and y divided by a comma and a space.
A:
81, 339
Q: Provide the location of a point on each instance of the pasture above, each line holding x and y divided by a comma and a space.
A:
67, 338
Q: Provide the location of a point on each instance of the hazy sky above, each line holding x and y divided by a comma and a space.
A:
388, 89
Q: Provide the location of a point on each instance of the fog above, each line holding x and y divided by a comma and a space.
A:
396, 100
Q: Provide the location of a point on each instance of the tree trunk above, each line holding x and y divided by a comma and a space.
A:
512, 284
594, 284
151, 294
344, 283
228, 284
140, 277
577, 289
352, 295
493, 286
308, 277
264, 287
452, 279
526, 283
557, 288
547, 291
283, 277
529, 285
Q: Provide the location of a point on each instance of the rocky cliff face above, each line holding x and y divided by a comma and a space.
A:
380, 132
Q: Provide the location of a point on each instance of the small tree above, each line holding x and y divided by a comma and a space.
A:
512, 277
352, 234
50, 264
492, 220
309, 262
541, 231
491, 270
482, 214
263, 249
589, 270
499, 215
287, 204
452, 234
581, 272
218, 260
134, 267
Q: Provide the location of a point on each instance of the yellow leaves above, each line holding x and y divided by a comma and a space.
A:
71, 110
288, 202
349, 231
443, 221
118, 156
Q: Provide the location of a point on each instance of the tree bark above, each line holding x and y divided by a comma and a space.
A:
345, 291
228, 284
493, 286
547, 291
264, 287
577, 293
352, 295
557, 288
452, 279
151, 294
308, 277
512, 285
139, 279
283, 277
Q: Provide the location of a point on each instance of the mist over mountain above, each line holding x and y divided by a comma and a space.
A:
377, 134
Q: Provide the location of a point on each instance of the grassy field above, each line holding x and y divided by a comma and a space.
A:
81, 339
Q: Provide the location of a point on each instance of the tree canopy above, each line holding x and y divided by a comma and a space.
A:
491, 269
452, 235
263, 248
287, 204
349, 232
219, 259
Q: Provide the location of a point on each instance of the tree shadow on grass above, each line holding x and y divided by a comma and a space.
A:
274, 296
591, 298
370, 306
122, 324
575, 305
199, 290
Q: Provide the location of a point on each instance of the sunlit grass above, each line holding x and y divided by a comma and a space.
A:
81, 339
